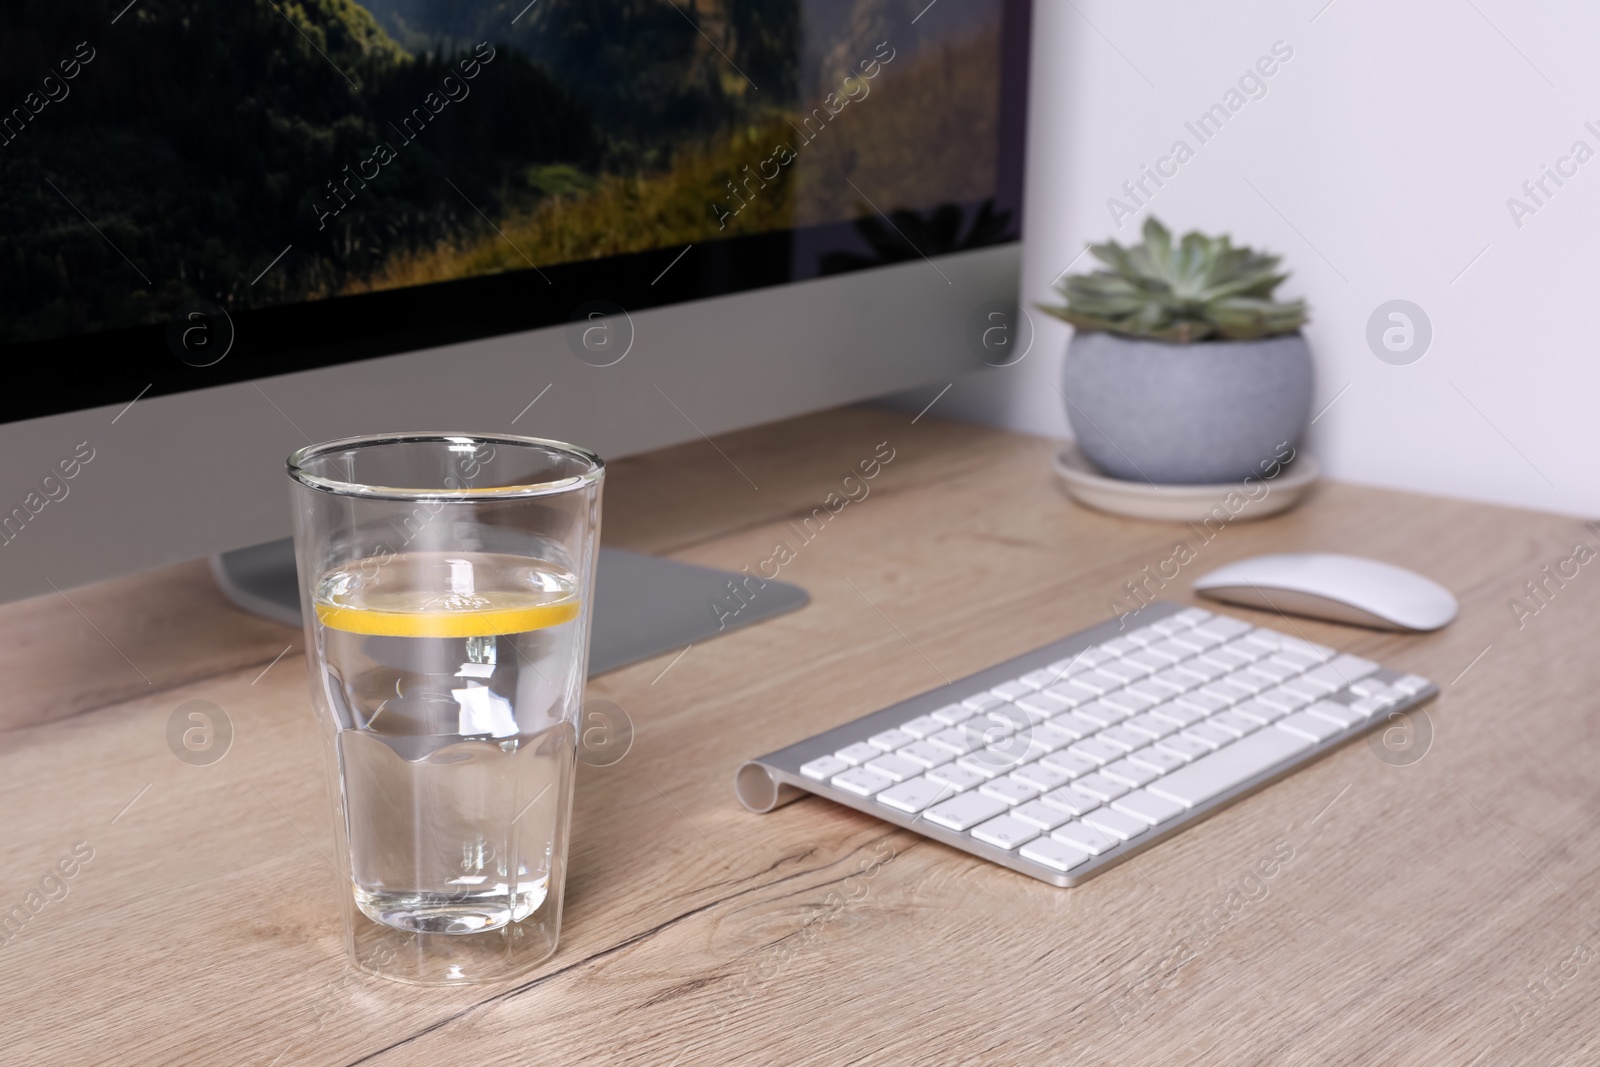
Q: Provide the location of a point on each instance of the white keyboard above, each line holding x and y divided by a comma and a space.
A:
1067, 760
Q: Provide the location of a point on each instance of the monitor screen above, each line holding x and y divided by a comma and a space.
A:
197, 193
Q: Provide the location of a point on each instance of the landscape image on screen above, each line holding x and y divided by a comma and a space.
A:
257, 153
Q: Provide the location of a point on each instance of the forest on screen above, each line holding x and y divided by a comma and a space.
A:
174, 153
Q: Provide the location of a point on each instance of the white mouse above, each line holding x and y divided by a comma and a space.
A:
1339, 588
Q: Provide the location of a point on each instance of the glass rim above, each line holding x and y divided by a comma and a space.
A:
301, 456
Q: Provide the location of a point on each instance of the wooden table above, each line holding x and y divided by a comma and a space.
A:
1433, 911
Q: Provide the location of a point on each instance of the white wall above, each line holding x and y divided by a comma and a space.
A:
1379, 163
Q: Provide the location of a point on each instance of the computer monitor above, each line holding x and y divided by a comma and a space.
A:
231, 229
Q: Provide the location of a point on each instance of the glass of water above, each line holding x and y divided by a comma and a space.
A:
446, 582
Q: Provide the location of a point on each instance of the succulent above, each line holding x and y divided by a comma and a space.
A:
1202, 288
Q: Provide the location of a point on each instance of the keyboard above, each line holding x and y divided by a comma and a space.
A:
1065, 761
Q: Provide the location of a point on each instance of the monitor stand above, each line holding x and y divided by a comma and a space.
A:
643, 606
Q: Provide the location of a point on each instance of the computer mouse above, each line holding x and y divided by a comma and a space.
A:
1339, 588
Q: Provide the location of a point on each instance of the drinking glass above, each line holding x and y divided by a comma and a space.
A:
446, 582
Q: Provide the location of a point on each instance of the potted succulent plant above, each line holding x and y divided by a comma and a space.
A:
1183, 369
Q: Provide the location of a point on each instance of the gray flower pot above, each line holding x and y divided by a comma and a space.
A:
1194, 414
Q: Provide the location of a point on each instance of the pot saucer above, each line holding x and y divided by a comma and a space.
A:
1185, 503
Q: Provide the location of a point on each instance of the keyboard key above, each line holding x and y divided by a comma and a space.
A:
1073, 723
987, 764
1152, 689
1095, 655
926, 754
1145, 805
922, 726
1009, 691
1207, 734
1299, 662
1010, 790
1234, 723
1070, 763
1044, 816
1043, 703
1226, 690
1412, 684
1066, 668
1097, 681
914, 795
1095, 749
1258, 712
1005, 832
1220, 771
1177, 680
1369, 706
1341, 715
1071, 800
1100, 787
1057, 855
1027, 715
1043, 776
1084, 837
957, 778
1048, 737
1204, 703
1101, 713
1144, 636
1308, 726
1153, 727
1228, 661
1115, 824
965, 811
1199, 638
1040, 679
859, 753
895, 768
861, 782
1169, 652
1351, 668
1194, 616
1185, 712
1267, 639
1156, 759
1129, 773
1204, 669
1250, 680
1147, 662
1274, 670
1123, 672
1245, 650
1073, 693
1008, 717
1307, 689
1124, 737
983, 701
1169, 626
1126, 700
890, 740
1120, 646
1275, 698
1184, 748
952, 714
824, 767
956, 739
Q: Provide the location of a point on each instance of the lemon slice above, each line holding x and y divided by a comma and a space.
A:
451, 616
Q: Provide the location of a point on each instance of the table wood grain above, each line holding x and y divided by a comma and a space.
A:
1439, 911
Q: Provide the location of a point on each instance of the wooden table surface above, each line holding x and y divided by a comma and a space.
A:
1432, 910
